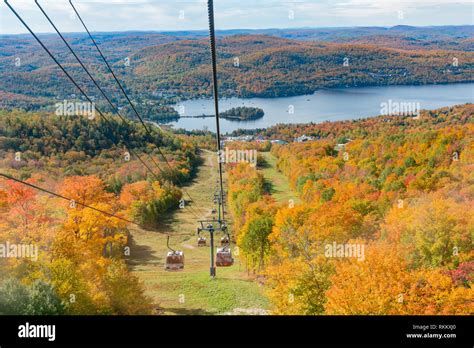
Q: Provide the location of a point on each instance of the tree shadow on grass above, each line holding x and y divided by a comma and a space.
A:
269, 187
187, 311
140, 254
262, 163
162, 226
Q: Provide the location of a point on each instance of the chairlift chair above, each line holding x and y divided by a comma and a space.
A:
224, 257
174, 259
201, 241
225, 241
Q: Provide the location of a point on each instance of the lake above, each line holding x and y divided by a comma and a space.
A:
324, 105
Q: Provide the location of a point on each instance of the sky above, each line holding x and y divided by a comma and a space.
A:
162, 15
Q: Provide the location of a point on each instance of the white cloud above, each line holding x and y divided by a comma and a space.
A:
117, 15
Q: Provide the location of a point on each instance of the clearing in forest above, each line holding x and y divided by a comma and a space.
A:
276, 183
191, 291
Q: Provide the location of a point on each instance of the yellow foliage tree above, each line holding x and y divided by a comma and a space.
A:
383, 284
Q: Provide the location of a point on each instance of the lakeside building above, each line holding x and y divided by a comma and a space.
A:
278, 141
239, 138
304, 138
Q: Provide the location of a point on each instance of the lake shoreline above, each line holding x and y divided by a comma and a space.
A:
324, 105
334, 88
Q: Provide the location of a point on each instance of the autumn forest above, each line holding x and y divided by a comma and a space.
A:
106, 211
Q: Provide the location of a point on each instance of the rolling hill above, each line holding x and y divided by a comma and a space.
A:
165, 67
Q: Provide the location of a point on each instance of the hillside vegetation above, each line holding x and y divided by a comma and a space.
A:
274, 67
83, 240
159, 69
396, 201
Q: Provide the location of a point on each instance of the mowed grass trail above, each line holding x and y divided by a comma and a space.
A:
191, 291
276, 182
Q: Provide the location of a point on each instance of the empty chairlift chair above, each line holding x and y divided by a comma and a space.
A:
174, 259
224, 257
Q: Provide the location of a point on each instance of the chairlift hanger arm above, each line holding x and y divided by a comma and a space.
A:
168, 244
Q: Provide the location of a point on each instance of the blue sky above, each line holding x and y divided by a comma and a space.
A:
121, 15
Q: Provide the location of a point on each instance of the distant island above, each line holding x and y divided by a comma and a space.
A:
243, 113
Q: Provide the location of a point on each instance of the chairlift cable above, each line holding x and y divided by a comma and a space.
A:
128, 98
212, 40
52, 193
6, 176
79, 88
67, 74
114, 107
215, 90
